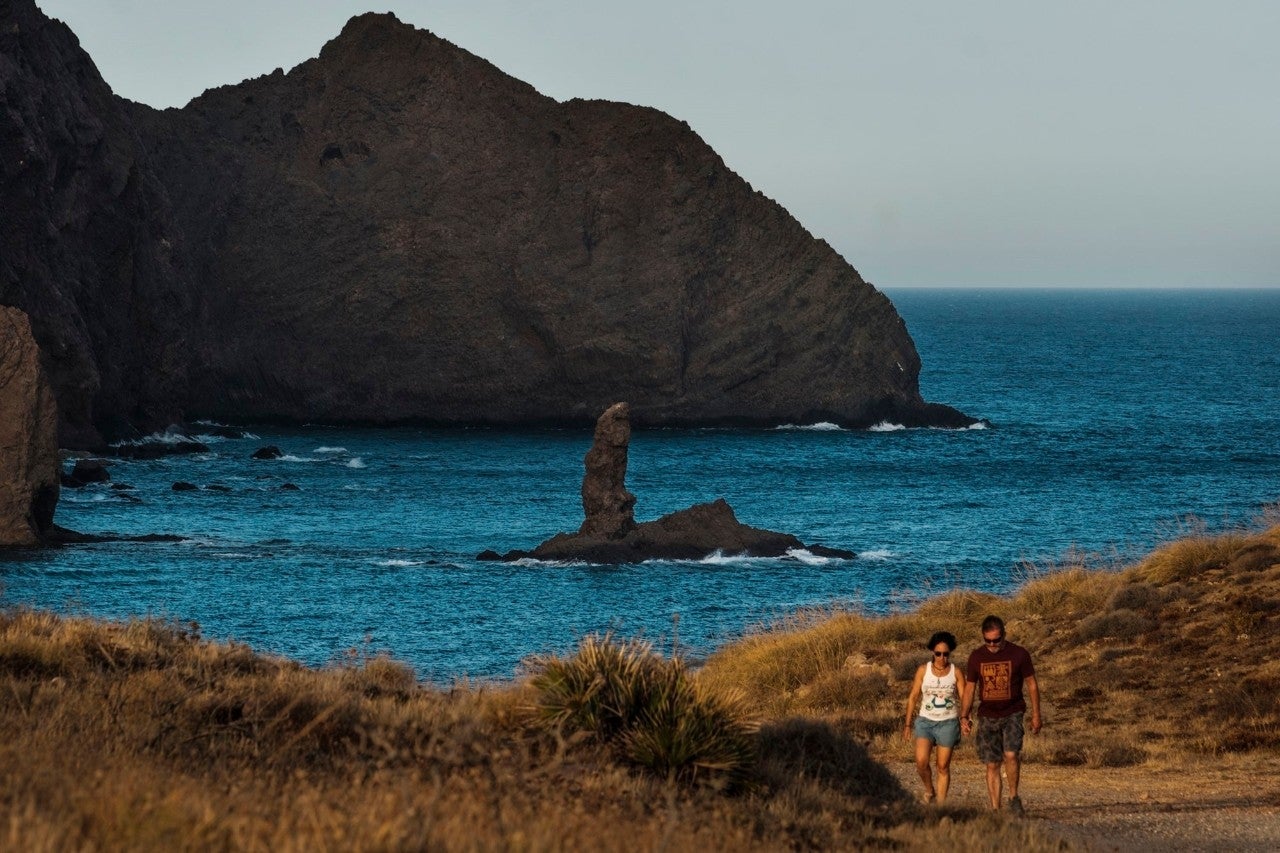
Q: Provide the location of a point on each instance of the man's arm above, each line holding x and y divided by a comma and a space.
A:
1033, 690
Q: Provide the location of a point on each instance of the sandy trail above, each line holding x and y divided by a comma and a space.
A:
1206, 803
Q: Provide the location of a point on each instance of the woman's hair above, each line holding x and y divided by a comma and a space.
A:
942, 637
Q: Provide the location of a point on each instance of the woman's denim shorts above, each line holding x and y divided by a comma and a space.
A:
944, 733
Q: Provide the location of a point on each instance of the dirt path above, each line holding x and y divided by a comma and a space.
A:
1230, 804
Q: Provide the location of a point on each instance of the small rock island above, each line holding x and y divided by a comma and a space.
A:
610, 534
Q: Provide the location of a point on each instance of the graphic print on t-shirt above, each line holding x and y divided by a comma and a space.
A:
996, 678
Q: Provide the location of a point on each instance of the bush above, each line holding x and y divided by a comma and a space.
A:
1136, 596
1118, 624
648, 708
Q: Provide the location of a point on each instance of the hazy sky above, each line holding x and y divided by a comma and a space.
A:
1090, 143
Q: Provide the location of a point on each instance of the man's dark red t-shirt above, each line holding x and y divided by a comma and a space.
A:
998, 676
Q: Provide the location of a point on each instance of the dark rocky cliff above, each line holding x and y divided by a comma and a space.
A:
398, 231
88, 247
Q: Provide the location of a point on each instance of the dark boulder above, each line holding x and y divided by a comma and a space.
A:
158, 449
183, 486
289, 487
91, 471
268, 452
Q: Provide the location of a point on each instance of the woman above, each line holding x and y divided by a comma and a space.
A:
935, 696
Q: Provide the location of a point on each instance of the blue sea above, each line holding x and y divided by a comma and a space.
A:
1113, 416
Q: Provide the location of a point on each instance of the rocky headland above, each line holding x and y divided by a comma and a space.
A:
610, 534
29, 467
397, 231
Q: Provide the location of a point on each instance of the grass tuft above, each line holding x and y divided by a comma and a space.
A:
648, 707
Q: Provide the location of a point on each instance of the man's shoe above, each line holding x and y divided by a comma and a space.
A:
1015, 807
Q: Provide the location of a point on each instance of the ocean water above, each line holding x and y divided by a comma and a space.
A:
1114, 415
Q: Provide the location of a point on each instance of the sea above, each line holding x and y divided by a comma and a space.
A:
1114, 421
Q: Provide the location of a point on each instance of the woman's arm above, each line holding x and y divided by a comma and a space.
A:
913, 700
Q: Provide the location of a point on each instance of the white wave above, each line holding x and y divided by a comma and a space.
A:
330, 450
234, 555
821, 426
397, 563
807, 557
531, 561
720, 558
878, 555
357, 462
289, 457
91, 499
169, 436
885, 426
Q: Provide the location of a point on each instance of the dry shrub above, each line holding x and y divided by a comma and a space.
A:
1254, 558
381, 676
1137, 596
624, 694
1188, 557
801, 747
1112, 751
905, 664
1116, 624
1068, 590
959, 609
858, 688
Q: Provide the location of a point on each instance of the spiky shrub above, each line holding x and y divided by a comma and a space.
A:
648, 709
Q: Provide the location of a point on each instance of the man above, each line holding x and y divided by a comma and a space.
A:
997, 672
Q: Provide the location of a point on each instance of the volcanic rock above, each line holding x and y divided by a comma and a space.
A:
614, 537
30, 470
184, 486
268, 452
606, 503
88, 245
158, 449
91, 471
398, 231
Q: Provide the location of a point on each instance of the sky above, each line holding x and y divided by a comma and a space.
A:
1001, 144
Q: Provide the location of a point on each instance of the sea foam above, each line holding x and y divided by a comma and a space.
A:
821, 426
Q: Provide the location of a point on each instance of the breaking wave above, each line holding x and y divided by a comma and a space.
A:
821, 426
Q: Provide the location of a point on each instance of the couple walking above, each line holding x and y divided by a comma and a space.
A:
942, 698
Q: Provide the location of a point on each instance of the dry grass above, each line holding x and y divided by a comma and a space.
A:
142, 736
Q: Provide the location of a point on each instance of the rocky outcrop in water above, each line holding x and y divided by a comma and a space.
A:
607, 506
609, 533
398, 231
29, 466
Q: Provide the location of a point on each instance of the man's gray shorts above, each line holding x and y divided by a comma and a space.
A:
998, 735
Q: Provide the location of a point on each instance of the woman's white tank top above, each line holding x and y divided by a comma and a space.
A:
940, 700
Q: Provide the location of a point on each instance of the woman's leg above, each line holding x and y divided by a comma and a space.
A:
944, 772
923, 747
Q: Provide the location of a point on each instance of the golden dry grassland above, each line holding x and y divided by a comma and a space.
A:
144, 736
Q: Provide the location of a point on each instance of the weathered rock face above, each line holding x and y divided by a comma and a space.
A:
29, 468
88, 248
398, 231
607, 506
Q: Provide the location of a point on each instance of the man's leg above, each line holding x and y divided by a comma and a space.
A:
993, 784
1012, 766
